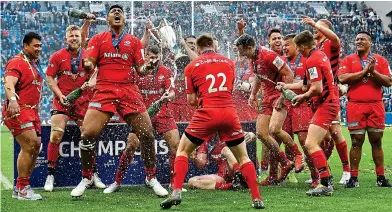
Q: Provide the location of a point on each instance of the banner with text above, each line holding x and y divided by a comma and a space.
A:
109, 148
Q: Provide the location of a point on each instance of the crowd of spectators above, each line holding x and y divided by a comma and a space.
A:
218, 18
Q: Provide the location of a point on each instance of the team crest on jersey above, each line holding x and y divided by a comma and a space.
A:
161, 77
313, 73
365, 80
278, 62
127, 43
125, 56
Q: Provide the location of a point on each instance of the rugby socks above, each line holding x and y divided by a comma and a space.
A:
122, 168
180, 171
223, 186
150, 173
274, 165
354, 173
343, 154
53, 153
294, 149
22, 182
249, 173
380, 171
320, 162
283, 159
264, 165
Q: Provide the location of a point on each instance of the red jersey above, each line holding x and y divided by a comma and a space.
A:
298, 66
60, 67
319, 69
153, 86
29, 83
115, 65
268, 65
211, 76
333, 54
367, 89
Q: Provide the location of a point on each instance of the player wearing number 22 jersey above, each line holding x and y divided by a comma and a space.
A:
213, 84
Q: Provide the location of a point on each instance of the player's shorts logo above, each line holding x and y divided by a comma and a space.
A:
27, 125
95, 104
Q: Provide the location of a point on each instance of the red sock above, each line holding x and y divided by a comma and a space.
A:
180, 171
264, 165
22, 182
249, 173
320, 162
123, 165
223, 186
53, 153
150, 173
274, 165
294, 149
236, 167
343, 154
354, 172
87, 174
380, 171
282, 158
289, 153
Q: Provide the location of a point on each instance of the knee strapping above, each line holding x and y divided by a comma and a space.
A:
57, 129
87, 147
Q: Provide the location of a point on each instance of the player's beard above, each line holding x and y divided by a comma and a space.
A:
73, 46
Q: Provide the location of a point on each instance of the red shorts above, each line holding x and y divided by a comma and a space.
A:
124, 99
325, 114
287, 124
75, 112
208, 121
364, 115
163, 121
301, 117
268, 102
27, 120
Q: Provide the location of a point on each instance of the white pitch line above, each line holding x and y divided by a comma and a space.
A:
4, 180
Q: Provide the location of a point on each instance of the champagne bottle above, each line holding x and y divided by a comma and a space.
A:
75, 94
288, 94
154, 108
77, 13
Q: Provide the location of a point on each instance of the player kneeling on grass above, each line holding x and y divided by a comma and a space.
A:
211, 76
325, 104
228, 176
366, 74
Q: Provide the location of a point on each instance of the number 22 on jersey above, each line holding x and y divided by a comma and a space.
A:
212, 87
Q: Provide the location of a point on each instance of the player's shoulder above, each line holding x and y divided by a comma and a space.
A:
379, 58
60, 52
15, 60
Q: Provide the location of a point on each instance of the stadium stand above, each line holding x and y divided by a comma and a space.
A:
218, 18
